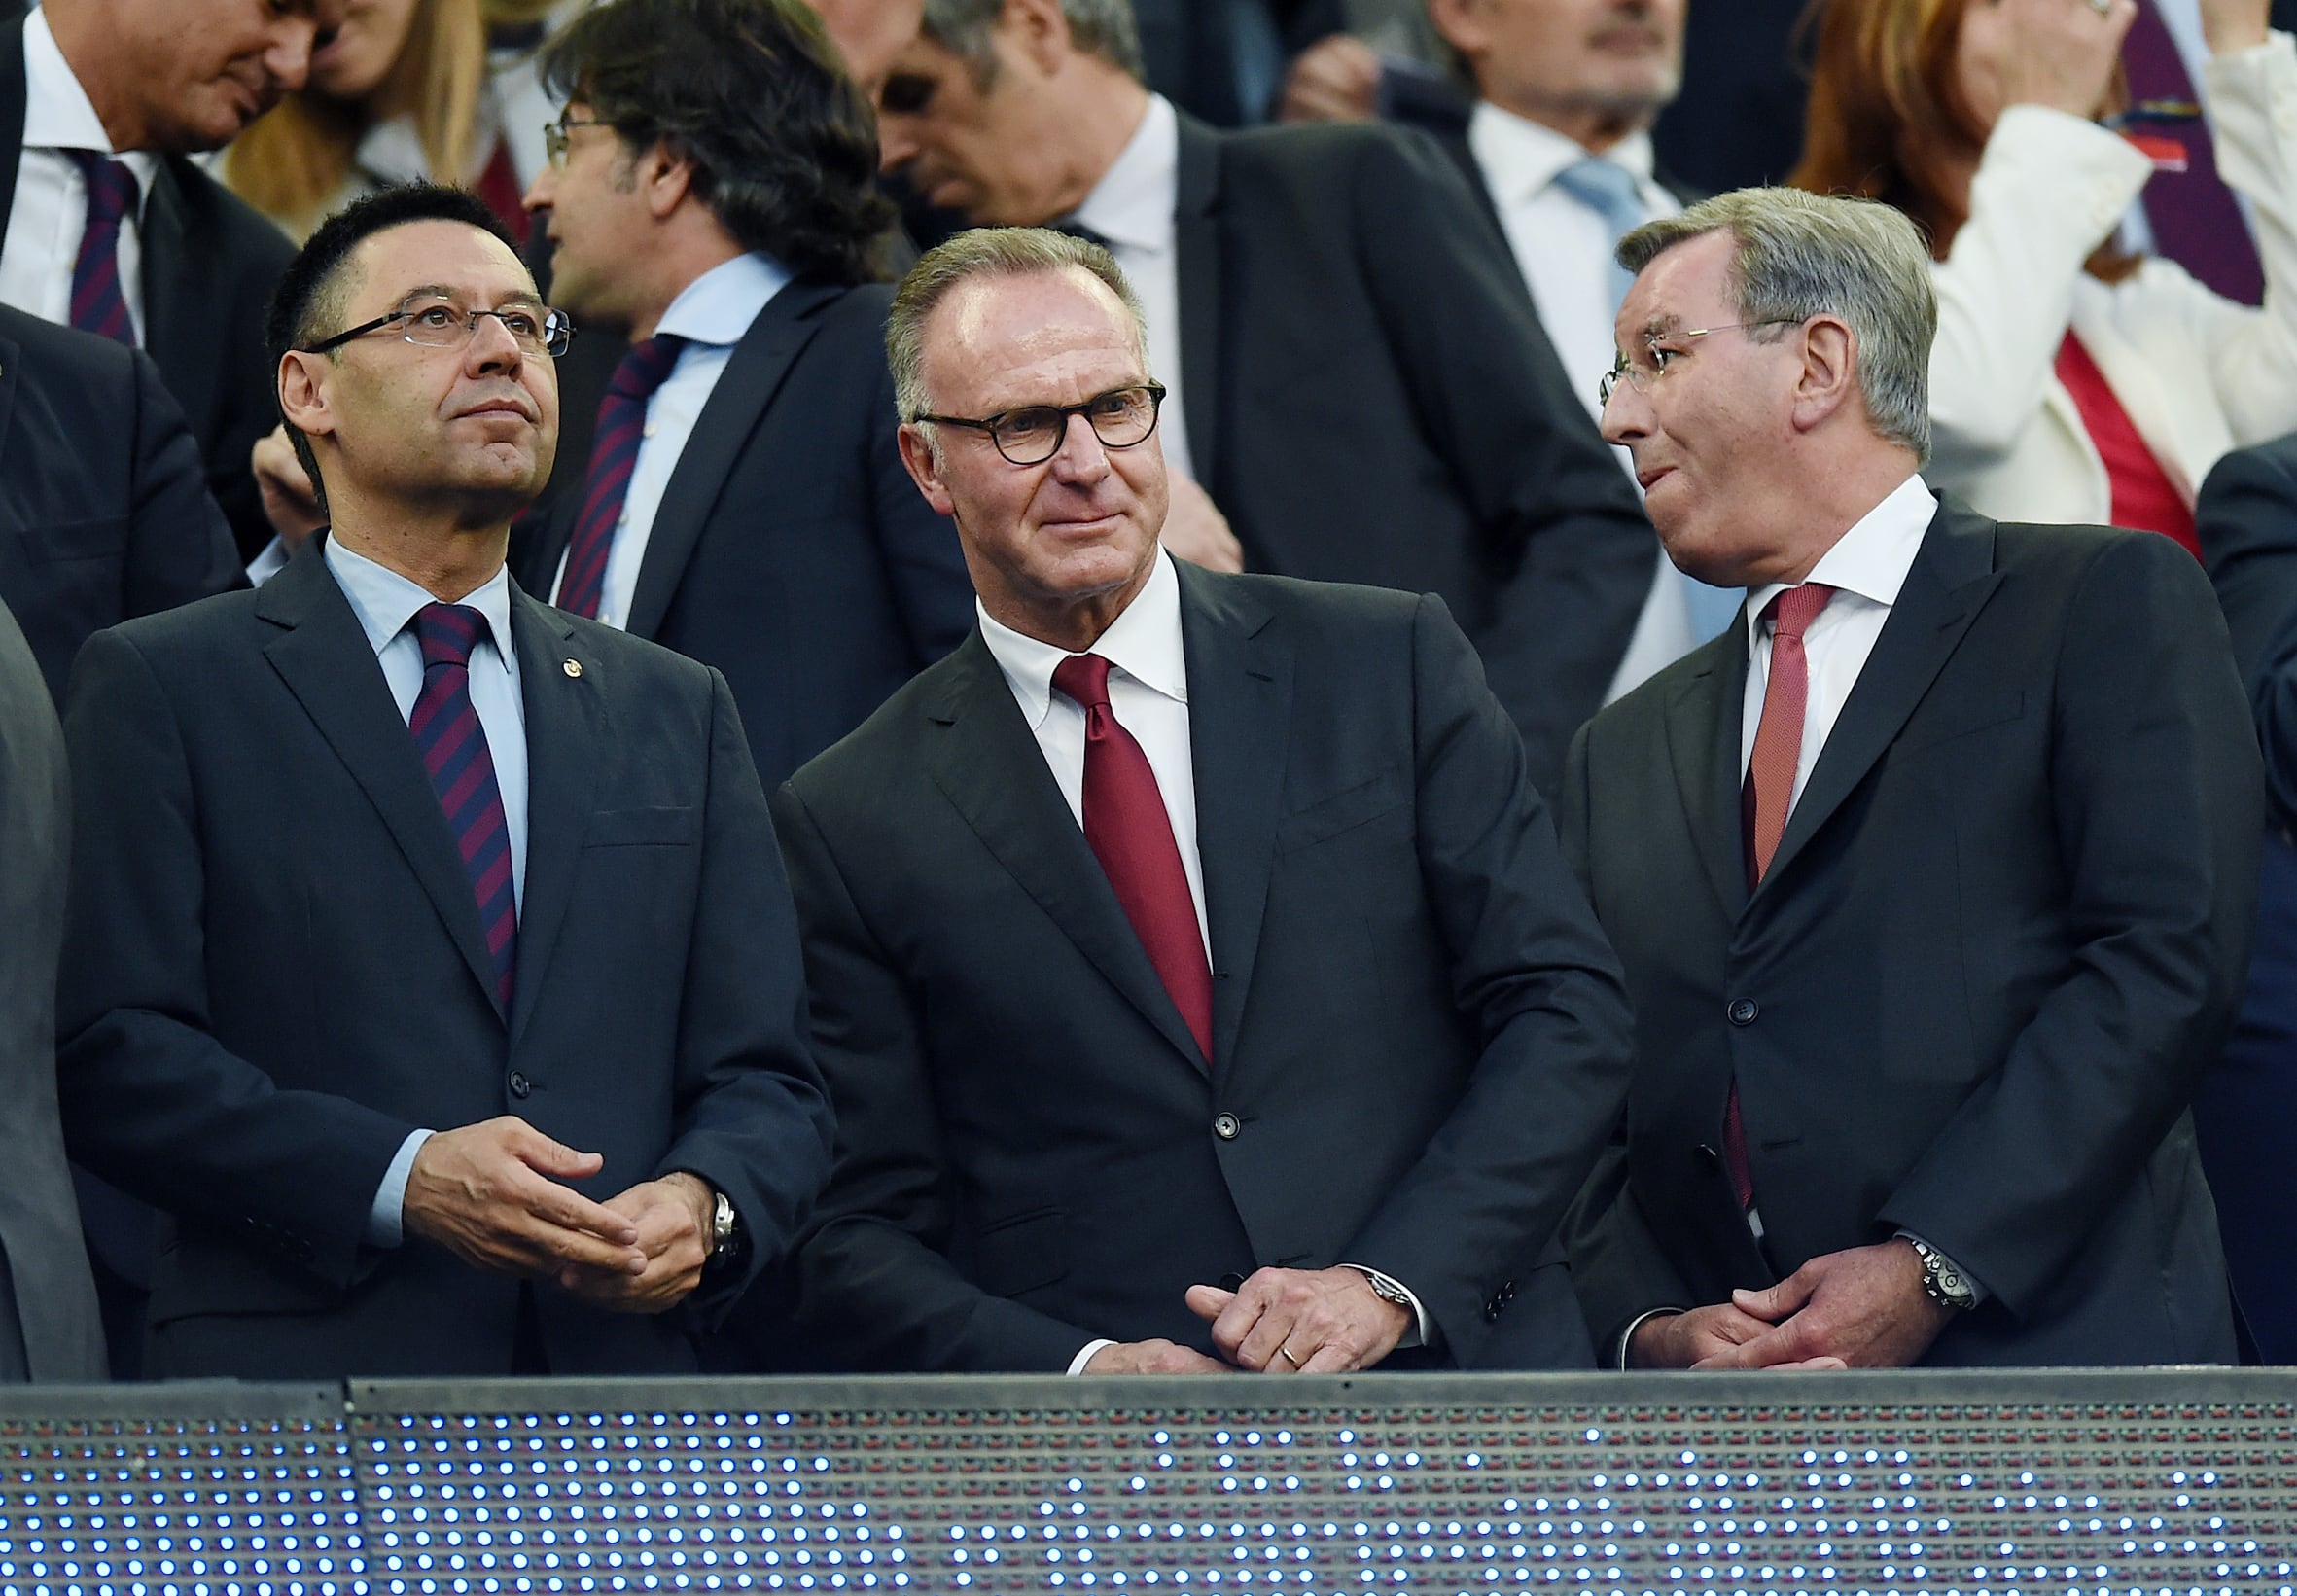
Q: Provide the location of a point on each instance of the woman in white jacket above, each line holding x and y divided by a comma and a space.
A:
2071, 381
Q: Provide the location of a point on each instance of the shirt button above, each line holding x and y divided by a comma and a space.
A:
647, 431
1226, 1128
519, 1085
1743, 1012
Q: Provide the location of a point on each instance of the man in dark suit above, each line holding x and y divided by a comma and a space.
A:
50, 1329
1933, 879
101, 487
1217, 994
109, 225
745, 504
429, 963
1359, 383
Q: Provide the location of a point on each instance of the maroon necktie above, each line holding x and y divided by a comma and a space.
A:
99, 304
613, 454
2196, 219
1770, 779
461, 768
1131, 833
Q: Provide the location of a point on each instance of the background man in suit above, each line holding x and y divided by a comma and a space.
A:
1559, 149
50, 1329
1357, 380
393, 888
1934, 884
1235, 950
745, 503
111, 227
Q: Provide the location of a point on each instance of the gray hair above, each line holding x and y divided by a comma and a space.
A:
1802, 255
989, 252
1099, 27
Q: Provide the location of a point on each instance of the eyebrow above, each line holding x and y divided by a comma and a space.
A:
515, 296
1659, 326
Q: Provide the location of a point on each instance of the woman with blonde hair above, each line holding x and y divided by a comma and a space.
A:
2072, 380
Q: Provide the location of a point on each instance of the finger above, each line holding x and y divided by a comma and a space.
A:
531, 1148
1782, 1345
1778, 1301
1277, 1325
1335, 1357
1236, 1321
568, 1210
1208, 1302
552, 1248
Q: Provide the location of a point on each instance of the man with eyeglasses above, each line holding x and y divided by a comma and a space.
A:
1934, 876
1196, 972
429, 964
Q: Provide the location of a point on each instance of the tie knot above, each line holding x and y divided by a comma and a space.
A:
448, 632
1083, 678
1606, 188
111, 187
646, 367
1791, 613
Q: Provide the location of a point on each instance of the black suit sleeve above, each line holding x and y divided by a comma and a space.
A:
752, 1114
152, 1101
2154, 778
179, 545
1532, 972
923, 558
2247, 520
873, 1287
1570, 553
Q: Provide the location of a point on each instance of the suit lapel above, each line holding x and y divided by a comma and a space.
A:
1196, 243
1950, 579
565, 728
1703, 729
736, 407
326, 662
16, 98
987, 763
1239, 700
180, 329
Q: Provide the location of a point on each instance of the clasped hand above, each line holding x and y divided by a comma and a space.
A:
1279, 1321
1860, 1308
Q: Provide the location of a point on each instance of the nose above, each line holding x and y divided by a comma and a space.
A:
538, 193
1082, 458
287, 52
896, 146
492, 350
1626, 415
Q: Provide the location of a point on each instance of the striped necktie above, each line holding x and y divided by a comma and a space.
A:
613, 454
98, 305
455, 756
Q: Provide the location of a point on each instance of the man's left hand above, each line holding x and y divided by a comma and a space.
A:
673, 1214
1865, 1305
1302, 1321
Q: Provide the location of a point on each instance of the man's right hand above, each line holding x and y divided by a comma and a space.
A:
1677, 1340
490, 1195
290, 503
1152, 1358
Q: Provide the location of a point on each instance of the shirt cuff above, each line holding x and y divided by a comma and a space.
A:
1078, 1362
383, 1227
1423, 1331
268, 564
1618, 1352
1978, 1292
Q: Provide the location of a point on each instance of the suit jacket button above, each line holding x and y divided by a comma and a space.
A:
519, 1085
1743, 1012
1706, 1155
1226, 1128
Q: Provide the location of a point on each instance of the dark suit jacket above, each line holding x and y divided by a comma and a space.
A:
792, 552
210, 262
274, 971
1419, 1037
104, 512
1999, 944
48, 1328
1371, 398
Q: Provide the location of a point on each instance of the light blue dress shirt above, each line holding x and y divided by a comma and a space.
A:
385, 603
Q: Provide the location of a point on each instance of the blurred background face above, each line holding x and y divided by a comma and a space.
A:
871, 34
198, 71
595, 218
1537, 57
966, 148
353, 64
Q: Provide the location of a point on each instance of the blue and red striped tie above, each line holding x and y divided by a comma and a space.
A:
97, 303
621, 428
453, 746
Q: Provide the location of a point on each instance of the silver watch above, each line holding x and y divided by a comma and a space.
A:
1942, 1282
726, 1228
1388, 1290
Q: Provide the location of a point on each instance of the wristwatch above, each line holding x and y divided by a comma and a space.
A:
1942, 1282
726, 1232
1386, 1287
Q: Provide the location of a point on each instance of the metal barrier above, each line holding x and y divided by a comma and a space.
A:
2091, 1481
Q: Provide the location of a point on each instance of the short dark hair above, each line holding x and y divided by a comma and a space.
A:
751, 91
308, 304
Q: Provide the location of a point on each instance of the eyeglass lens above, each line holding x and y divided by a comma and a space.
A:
1120, 419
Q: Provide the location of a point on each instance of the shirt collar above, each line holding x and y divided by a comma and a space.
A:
1872, 558
384, 601
1520, 157
59, 114
1132, 205
719, 305
1143, 642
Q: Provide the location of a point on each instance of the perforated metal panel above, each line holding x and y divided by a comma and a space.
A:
2108, 1481
196, 1490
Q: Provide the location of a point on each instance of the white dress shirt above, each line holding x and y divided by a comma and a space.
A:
49, 212
1132, 207
1866, 567
385, 603
712, 313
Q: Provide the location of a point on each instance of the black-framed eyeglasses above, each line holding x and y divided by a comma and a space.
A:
436, 321
555, 139
1121, 419
1640, 378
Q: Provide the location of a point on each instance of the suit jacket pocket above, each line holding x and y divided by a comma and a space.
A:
1343, 811
1960, 719
200, 1273
668, 826
57, 542
1024, 1252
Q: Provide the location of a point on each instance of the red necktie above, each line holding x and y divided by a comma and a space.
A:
1770, 777
1130, 833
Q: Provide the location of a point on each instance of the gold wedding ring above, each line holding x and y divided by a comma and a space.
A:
1286, 1353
